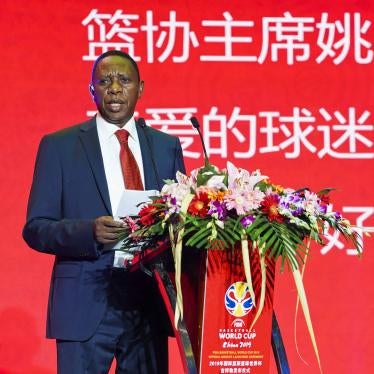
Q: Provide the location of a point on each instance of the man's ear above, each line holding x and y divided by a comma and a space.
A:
91, 89
141, 88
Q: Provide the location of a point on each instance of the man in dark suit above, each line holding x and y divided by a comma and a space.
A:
95, 312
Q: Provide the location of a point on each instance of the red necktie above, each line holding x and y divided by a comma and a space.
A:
130, 169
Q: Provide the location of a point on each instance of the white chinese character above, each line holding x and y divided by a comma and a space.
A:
289, 35
109, 31
327, 39
220, 134
296, 135
250, 133
353, 129
330, 44
228, 39
269, 130
217, 135
176, 121
168, 38
361, 43
366, 213
331, 238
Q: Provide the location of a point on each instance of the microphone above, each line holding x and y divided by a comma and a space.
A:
142, 124
196, 125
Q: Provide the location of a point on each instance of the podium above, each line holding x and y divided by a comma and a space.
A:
228, 319
215, 334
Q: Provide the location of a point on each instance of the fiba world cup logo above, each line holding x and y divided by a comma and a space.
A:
238, 300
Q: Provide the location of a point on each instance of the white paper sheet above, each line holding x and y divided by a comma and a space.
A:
130, 204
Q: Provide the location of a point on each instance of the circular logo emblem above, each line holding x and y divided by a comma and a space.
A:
238, 300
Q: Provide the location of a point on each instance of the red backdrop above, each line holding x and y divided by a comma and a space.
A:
285, 87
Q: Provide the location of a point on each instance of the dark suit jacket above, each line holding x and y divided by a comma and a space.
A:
69, 191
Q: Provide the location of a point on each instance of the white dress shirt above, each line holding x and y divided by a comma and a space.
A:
110, 150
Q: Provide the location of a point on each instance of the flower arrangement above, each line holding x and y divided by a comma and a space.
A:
217, 209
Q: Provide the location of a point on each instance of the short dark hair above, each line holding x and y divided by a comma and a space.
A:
115, 53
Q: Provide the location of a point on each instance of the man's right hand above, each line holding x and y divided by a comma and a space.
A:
107, 230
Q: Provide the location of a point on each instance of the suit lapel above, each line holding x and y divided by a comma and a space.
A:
91, 145
150, 180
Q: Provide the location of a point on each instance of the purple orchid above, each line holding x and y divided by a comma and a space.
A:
217, 209
247, 221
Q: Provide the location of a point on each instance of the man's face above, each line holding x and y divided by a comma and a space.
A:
116, 89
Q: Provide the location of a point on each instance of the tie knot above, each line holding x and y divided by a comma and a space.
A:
122, 136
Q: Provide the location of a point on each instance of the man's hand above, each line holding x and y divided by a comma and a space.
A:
107, 230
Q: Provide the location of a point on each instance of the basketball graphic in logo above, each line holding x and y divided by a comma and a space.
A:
238, 300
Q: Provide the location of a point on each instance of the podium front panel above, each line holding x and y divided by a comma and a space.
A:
228, 345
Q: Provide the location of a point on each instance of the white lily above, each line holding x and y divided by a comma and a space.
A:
241, 178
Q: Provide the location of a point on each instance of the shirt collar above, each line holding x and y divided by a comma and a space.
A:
108, 129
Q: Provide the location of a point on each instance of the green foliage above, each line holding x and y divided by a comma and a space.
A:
207, 172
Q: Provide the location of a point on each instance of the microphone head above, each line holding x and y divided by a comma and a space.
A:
195, 122
141, 122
